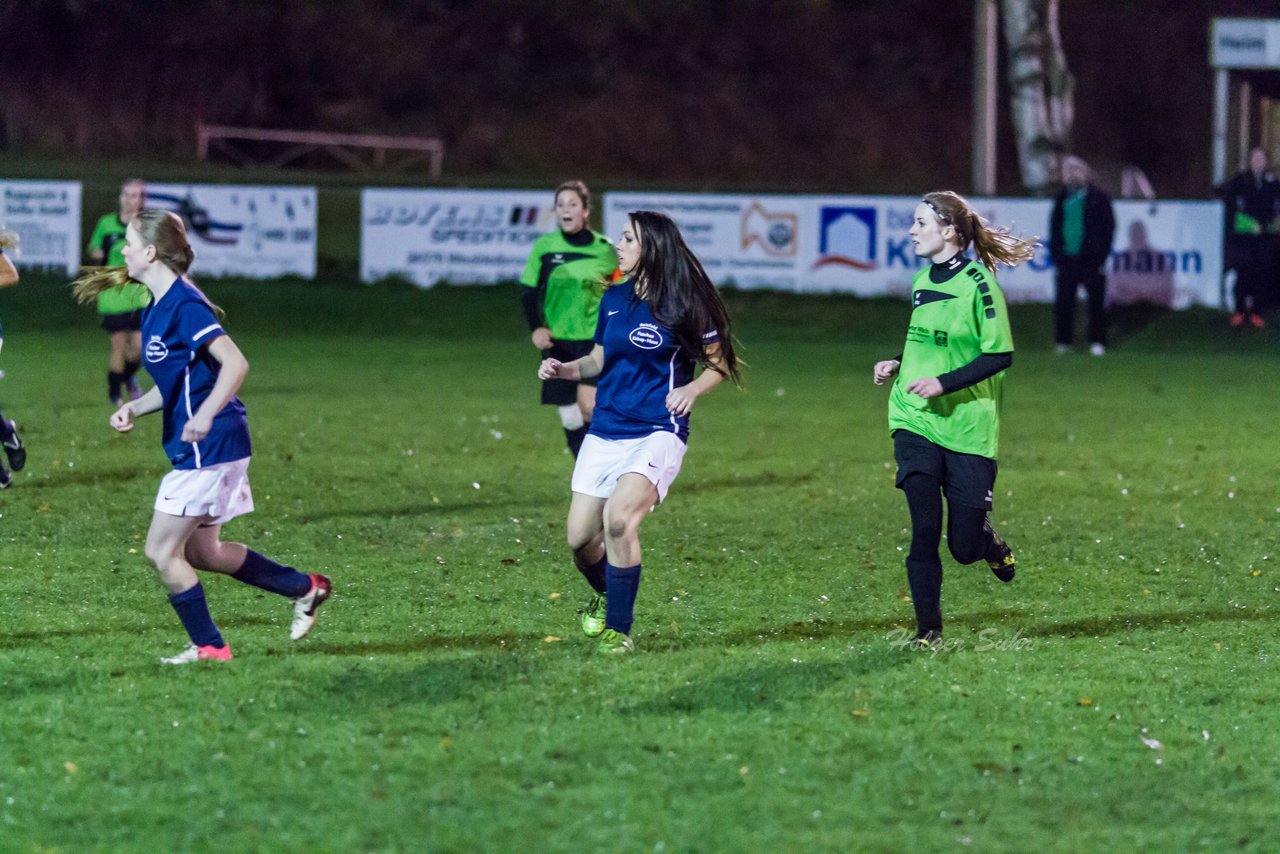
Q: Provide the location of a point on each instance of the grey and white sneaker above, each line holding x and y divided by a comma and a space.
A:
305, 607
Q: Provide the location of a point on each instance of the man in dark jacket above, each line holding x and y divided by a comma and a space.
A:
1081, 228
1253, 215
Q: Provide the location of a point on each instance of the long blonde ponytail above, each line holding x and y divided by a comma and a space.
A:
162, 229
992, 244
95, 280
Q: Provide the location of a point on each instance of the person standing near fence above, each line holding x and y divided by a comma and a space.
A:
1082, 225
944, 406
197, 370
655, 327
564, 279
1253, 221
15, 452
120, 309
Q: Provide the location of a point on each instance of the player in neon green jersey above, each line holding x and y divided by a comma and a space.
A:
121, 308
944, 406
564, 279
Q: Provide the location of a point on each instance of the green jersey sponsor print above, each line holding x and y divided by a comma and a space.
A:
108, 236
953, 321
574, 276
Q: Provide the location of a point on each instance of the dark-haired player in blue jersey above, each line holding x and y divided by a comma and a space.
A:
944, 407
656, 326
197, 369
14, 450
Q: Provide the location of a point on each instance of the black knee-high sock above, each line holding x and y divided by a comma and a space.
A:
967, 536
924, 567
6, 430
130, 368
114, 381
594, 573
574, 438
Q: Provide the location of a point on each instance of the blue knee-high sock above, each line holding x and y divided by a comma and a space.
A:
6, 431
622, 583
193, 611
270, 576
594, 574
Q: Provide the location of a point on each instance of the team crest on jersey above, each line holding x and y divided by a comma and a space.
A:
156, 349
646, 336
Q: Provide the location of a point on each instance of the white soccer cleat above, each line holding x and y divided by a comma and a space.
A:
305, 607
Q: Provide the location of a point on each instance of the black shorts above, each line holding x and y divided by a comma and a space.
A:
967, 479
128, 322
565, 392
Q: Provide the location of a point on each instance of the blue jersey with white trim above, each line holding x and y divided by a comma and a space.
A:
642, 363
176, 333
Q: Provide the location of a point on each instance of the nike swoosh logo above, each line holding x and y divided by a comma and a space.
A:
610, 313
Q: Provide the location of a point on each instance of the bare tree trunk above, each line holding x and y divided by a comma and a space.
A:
1042, 88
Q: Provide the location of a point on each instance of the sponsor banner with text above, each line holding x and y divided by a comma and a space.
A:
1167, 252
259, 232
456, 236
46, 216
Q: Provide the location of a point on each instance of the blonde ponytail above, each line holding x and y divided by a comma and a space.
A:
993, 245
8, 238
95, 280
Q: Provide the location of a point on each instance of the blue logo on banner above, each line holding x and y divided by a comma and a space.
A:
847, 237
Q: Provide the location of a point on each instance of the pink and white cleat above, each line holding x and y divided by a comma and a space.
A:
305, 607
194, 653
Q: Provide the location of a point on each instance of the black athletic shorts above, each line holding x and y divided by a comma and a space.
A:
128, 322
564, 392
967, 479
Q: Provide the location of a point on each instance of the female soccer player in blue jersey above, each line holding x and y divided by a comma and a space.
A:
197, 369
14, 450
944, 407
655, 327
564, 279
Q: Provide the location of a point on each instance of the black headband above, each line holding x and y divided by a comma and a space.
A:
937, 212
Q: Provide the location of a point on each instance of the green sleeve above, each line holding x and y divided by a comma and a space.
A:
533, 267
994, 331
99, 235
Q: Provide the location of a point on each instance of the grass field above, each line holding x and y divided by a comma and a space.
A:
1119, 695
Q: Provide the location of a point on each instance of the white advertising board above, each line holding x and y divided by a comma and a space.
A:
258, 232
459, 236
1167, 252
46, 216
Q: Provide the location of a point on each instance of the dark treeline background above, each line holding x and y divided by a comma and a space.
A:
819, 96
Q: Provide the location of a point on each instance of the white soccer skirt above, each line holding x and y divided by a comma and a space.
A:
219, 492
602, 461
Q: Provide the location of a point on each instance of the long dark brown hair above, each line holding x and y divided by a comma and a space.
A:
679, 292
992, 244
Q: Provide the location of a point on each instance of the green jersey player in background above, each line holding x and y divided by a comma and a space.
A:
944, 406
121, 308
564, 279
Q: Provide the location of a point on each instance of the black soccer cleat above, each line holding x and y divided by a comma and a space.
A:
926, 641
14, 449
999, 556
